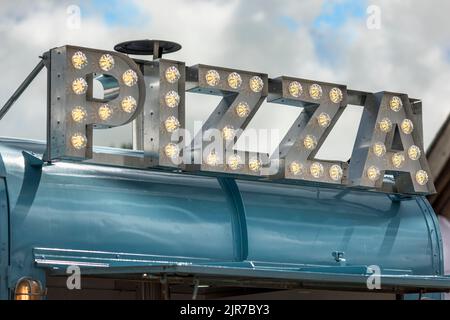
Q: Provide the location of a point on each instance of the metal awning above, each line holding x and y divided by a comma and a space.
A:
246, 274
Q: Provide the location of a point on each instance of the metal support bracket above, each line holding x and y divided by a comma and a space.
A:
165, 287
16, 95
195, 292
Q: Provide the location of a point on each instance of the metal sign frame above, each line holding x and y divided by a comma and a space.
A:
391, 122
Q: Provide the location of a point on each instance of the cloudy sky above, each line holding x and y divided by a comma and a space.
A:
319, 39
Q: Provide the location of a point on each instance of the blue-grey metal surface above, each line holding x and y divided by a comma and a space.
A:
314, 223
4, 242
98, 216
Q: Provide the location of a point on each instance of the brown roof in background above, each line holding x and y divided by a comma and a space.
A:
439, 159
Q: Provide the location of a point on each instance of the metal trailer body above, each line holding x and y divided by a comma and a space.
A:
127, 223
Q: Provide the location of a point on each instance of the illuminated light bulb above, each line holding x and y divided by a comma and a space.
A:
256, 84
130, 78
212, 159
228, 133
212, 78
324, 120
171, 151
172, 99
79, 114
316, 170
385, 125
336, 173
422, 177
79, 86
28, 289
105, 112
129, 104
172, 74
234, 162
379, 149
336, 95
106, 62
254, 165
373, 173
296, 168
310, 142
78, 141
234, 80
398, 160
295, 89
171, 124
396, 104
407, 126
414, 153
79, 60
242, 109
315, 91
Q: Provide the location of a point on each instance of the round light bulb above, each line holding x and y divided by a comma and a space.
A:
396, 104
407, 126
242, 109
234, 162
129, 104
105, 112
212, 159
79, 86
295, 89
324, 120
373, 173
336, 173
79, 114
212, 78
171, 124
234, 80
315, 91
79, 60
130, 78
256, 84
171, 150
379, 149
414, 153
385, 125
228, 133
398, 160
172, 99
310, 142
254, 165
422, 177
316, 170
296, 168
106, 62
336, 95
78, 141
172, 74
